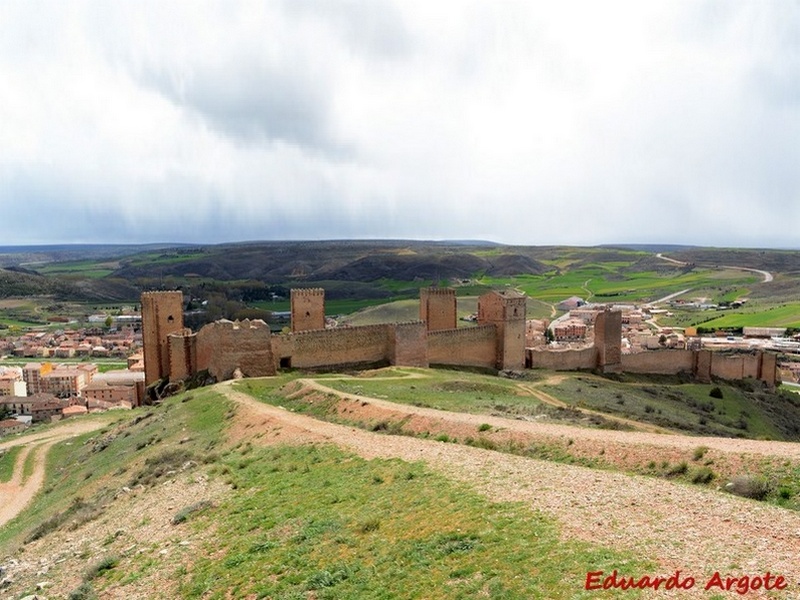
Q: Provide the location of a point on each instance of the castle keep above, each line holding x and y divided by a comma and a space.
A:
174, 352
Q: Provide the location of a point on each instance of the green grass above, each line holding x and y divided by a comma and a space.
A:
318, 522
8, 459
138, 446
784, 315
614, 282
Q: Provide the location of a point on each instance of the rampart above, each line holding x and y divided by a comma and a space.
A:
465, 347
339, 347
408, 344
662, 362
224, 346
562, 360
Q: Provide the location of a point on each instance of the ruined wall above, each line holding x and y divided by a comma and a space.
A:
224, 346
162, 314
182, 355
562, 360
663, 362
338, 347
438, 308
608, 340
308, 309
408, 344
466, 347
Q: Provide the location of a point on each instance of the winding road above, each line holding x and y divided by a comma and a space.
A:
20, 490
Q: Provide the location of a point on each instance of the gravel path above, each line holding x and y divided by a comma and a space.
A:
16, 493
680, 527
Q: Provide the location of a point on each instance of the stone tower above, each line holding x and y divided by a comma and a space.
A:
608, 340
162, 315
506, 311
308, 309
437, 307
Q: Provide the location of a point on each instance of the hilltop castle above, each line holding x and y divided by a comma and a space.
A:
173, 352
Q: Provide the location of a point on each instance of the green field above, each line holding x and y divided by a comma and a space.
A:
784, 315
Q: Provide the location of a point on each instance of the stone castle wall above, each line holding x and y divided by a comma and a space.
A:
339, 347
408, 344
465, 347
224, 346
662, 362
562, 360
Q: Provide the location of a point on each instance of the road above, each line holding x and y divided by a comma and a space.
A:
765, 274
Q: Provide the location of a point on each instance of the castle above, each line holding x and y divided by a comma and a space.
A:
173, 352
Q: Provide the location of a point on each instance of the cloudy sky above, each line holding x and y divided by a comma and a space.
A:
520, 122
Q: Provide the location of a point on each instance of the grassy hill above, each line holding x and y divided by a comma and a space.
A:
173, 501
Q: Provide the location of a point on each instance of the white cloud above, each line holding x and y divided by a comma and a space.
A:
522, 122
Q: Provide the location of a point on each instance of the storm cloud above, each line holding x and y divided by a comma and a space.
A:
519, 122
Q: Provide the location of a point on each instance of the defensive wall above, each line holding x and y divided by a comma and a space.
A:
562, 360
173, 352
224, 346
465, 347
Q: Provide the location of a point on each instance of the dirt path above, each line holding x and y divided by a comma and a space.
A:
19, 491
694, 530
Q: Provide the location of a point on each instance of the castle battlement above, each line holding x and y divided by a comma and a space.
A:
308, 292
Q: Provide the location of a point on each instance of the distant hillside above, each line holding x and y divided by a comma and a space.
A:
14, 284
316, 261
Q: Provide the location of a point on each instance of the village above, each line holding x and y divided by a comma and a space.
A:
49, 375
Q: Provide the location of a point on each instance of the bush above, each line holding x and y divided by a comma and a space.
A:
699, 452
756, 487
715, 393
183, 514
105, 564
702, 475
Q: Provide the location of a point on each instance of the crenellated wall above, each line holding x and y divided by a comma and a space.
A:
338, 347
224, 346
465, 347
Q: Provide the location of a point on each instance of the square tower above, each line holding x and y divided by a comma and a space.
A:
437, 307
608, 340
162, 315
308, 309
506, 311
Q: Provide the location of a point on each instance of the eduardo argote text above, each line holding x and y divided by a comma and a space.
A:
598, 580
